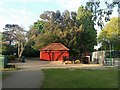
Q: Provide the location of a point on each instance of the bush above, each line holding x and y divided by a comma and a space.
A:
29, 51
77, 61
11, 57
8, 50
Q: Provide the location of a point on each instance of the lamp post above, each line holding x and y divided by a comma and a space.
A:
110, 55
106, 41
110, 52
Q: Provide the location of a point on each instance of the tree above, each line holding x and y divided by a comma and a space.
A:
102, 15
87, 38
7, 49
30, 51
110, 34
74, 30
35, 29
16, 36
63, 25
44, 39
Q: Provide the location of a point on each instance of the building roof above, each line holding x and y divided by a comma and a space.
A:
54, 47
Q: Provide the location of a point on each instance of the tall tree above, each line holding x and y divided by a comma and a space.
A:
100, 14
44, 39
87, 39
63, 25
35, 29
16, 36
110, 35
74, 30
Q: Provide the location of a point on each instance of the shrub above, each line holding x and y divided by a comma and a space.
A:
11, 57
77, 61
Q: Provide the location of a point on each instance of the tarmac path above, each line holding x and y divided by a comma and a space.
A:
30, 74
23, 79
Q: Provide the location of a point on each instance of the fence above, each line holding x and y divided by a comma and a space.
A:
105, 57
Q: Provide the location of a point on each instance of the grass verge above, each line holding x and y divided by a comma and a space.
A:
80, 78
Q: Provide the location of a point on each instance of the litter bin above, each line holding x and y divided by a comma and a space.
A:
85, 60
23, 59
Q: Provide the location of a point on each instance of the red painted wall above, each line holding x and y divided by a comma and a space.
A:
45, 56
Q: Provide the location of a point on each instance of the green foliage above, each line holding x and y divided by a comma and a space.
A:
8, 50
44, 39
11, 57
35, 29
87, 38
0, 43
15, 35
74, 30
39, 25
100, 14
29, 51
110, 35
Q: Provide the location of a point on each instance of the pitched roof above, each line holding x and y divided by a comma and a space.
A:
54, 46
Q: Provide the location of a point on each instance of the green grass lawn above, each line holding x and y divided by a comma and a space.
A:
80, 78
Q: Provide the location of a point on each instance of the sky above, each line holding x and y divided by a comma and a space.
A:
26, 12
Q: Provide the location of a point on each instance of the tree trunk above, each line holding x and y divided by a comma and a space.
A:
20, 50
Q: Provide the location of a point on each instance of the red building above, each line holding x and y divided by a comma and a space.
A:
54, 52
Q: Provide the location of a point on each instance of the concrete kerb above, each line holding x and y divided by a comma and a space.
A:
88, 66
33, 65
74, 66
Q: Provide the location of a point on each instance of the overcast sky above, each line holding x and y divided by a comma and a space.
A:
26, 12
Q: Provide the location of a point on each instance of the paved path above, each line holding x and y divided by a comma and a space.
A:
38, 65
30, 74
23, 79
0, 84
